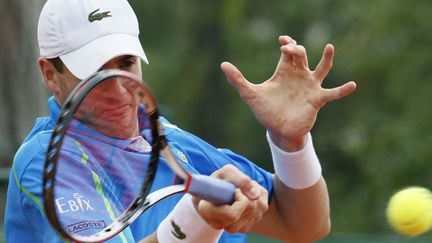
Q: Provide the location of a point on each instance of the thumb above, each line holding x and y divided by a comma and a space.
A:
232, 174
251, 189
235, 78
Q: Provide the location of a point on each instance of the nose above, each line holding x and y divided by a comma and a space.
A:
112, 88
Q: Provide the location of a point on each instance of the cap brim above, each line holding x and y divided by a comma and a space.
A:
88, 59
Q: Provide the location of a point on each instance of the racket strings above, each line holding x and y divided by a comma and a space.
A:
95, 172
109, 182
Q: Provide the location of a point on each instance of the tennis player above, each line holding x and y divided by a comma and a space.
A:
79, 37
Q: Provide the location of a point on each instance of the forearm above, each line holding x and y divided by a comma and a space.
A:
305, 212
300, 201
296, 215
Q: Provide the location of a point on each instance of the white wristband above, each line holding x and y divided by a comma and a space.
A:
297, 170
184, 224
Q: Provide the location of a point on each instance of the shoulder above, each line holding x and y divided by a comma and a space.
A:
28, 164
35, 143
41, 124
197, 147
24, 206
29, 159
33, 147
206, 158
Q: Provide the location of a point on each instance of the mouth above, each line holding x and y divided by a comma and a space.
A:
118, 111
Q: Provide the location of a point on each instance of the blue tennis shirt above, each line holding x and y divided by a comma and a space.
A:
25, 219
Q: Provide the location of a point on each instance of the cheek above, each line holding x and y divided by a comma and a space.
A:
137, 69
138, 73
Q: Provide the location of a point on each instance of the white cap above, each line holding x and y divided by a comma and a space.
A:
86, 34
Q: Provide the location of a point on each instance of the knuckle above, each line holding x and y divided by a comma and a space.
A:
232, 218
228, 217
253, 205
219, 225
265, 206
217, 174
245, 182
225, 171
228, 167
264, 192
232, 229
245, 229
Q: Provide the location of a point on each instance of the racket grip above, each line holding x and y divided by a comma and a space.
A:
214, 190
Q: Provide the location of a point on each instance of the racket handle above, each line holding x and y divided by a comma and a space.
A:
214, 190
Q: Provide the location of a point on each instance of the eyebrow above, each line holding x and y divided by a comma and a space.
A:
119, 58
127, 57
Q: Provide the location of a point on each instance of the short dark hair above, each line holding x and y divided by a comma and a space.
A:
58, 64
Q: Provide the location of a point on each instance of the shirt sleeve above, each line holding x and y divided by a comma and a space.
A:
25, 219
204, 158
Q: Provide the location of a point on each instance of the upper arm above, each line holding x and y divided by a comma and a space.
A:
25, 219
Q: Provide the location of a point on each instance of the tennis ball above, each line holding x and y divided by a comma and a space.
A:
409, 211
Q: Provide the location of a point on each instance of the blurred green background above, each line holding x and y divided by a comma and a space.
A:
371, 144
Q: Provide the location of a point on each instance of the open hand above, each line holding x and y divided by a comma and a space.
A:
287, 104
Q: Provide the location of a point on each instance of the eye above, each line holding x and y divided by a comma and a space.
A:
128, 62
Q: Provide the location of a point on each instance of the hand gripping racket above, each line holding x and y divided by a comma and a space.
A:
102, 159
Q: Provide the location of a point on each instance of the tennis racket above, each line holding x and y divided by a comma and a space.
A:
102, 159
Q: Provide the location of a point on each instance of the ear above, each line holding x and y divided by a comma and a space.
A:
49, 75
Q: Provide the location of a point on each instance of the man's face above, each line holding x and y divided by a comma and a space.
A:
111, 107
67, 81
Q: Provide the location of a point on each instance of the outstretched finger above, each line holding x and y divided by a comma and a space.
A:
300, 57
236, 79
325, 63
286, 58
339, 92
285, 40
